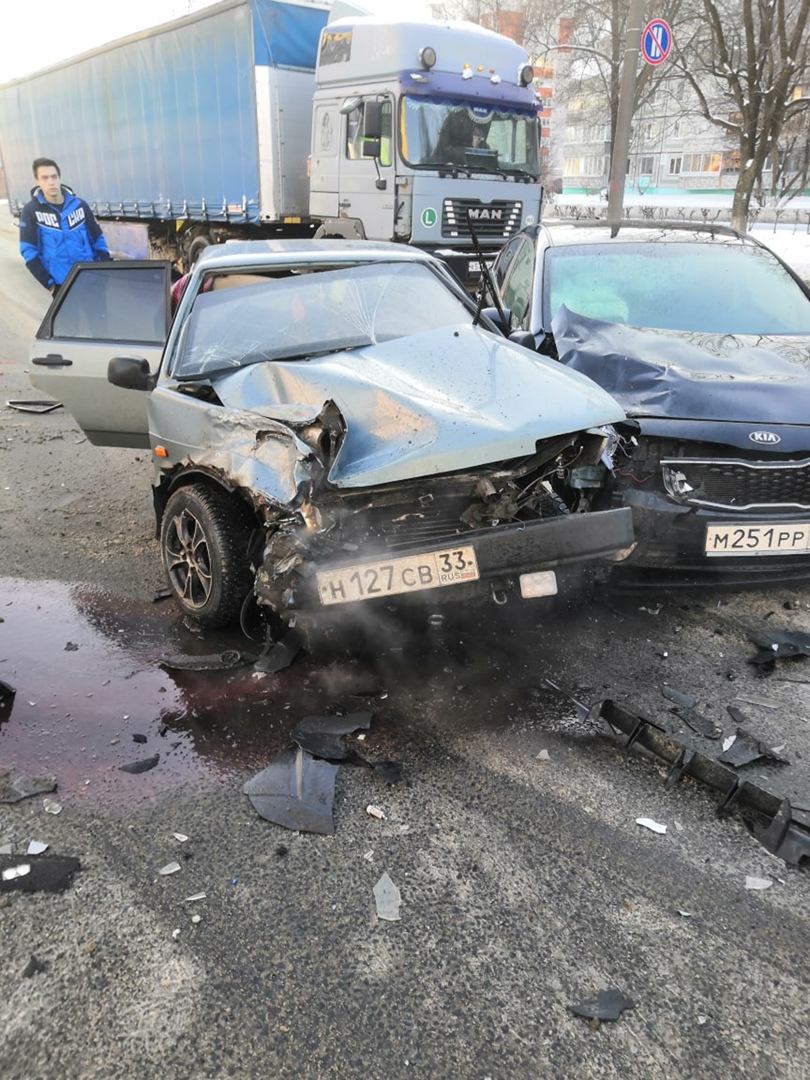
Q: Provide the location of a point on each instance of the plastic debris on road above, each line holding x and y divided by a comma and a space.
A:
180, 837
543, 756
12, 872
36, 847
323, 736
140, 766
50, 806
44, 873
376, 812
653, 826
169, 868
194, 896
388, 899
296, 791
744, 748
758, 883
15, 785
608, 1005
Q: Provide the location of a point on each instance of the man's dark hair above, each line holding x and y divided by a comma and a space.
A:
40, 161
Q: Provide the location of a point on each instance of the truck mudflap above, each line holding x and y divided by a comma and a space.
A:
480, 558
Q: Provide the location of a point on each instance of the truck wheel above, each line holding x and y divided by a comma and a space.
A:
204, 538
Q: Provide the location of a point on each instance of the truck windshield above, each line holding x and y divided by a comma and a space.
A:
479, 137
311, 313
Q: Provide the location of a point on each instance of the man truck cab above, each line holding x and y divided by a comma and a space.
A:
419, 127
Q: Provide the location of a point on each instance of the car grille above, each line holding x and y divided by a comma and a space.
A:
735, 484
500, 218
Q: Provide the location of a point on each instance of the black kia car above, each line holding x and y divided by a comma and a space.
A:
703, 336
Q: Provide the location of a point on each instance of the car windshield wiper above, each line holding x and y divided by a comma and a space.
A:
522, 174
444, 167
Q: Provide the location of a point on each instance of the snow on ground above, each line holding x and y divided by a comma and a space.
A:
791, 245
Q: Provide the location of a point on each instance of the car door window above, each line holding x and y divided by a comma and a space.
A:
517, 287
114, 307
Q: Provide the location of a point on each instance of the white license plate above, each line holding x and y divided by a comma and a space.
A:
365, 581
736, 540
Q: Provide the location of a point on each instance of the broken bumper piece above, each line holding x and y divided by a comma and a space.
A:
471, 562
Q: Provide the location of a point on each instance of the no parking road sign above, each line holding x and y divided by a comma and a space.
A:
656, 41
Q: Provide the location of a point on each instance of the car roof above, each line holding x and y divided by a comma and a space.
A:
567, 233
263, 253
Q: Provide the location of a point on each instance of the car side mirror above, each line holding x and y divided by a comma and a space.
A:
524, 338
501, 322
372, 120
130, 373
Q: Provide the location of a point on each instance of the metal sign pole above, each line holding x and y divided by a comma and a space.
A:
621, 142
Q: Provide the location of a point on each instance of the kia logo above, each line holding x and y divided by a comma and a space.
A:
764, 438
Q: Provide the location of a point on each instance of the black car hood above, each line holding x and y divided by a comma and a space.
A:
690, 376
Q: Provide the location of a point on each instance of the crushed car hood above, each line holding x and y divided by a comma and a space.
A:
694, 376
437, 402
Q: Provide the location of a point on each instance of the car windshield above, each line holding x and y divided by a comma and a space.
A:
245, 320
478, 137
705, 287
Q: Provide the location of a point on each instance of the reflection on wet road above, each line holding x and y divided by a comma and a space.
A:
86, 670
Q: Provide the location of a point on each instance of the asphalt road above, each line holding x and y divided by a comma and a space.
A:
526, 883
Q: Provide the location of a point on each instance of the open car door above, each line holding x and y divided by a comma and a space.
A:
103, 310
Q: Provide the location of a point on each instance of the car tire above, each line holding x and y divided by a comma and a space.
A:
204, 539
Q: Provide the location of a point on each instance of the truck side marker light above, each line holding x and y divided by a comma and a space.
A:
161, 451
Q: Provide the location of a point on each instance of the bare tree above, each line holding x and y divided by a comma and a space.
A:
746, 67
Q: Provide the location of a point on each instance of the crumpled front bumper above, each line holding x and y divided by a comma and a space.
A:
501, 553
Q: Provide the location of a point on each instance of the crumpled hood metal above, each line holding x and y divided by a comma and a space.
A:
445, 400
696, 376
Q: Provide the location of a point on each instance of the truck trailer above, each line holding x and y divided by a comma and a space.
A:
263, 118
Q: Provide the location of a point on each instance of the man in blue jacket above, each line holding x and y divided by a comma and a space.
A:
57, 229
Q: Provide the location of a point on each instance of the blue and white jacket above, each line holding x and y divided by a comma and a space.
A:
53, 238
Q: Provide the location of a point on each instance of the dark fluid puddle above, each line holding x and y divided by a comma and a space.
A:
85, 667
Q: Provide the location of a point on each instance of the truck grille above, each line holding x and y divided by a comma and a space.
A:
735, 484
500, 218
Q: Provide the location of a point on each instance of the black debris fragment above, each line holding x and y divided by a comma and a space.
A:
7, 694
747, 748
792, 840
37, 873
231, 658
296, 791
278, 655
140, 766
71, 646
390, 771
33, 967
686, 708
608, 1005
14, 785
162, 594
776, 645
138, 738
323, 736
787, 834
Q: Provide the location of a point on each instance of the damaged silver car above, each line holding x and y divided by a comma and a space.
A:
332, 423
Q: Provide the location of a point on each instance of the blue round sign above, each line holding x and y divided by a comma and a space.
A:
656, 41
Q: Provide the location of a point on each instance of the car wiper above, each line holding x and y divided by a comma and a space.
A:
522, 174
444, 167
486, 280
